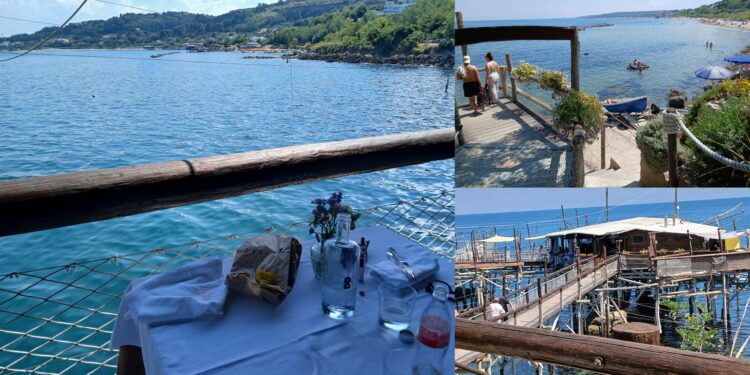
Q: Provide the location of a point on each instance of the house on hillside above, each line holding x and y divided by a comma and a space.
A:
396, 6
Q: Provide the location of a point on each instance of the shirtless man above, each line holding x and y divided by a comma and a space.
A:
472, 83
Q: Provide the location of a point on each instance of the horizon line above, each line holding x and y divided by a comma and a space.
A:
611, 207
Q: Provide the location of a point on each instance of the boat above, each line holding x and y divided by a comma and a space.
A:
626, 105
635, 67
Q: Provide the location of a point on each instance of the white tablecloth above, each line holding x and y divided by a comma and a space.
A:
255, 337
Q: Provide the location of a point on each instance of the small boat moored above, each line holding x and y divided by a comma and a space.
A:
626, 105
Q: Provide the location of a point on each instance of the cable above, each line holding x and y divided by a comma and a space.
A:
127, 6
25, 20
50, 36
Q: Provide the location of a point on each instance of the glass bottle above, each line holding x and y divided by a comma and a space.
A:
340, 257
434, 334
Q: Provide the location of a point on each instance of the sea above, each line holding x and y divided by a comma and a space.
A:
65, 111
726, 213
674, 48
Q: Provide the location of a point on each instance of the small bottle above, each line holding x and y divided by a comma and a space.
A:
434, 335
340, 257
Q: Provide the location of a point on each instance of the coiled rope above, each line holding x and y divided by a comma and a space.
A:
671, 118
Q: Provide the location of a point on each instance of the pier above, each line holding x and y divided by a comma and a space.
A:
510, 144
581, 281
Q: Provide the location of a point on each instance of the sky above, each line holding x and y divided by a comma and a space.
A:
57, 11
478, 201
490, 10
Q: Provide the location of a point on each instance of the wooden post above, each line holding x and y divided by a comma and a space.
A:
603, 146
657, 310
606, 205
725, 307
577, 223
539, 300
565, 223
579, 143
503, 75
672, 127
460, 140
513, 89
575, 49
460, 25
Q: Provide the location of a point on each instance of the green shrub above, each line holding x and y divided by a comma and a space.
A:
554, 80
726, 131
725, 89
652, 141
526, 72
579, 108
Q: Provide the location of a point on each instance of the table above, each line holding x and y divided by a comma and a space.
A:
293, 338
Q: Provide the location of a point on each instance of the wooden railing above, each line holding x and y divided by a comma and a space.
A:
38, 203
597, 354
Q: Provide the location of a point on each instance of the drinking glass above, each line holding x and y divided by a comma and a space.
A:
396, 305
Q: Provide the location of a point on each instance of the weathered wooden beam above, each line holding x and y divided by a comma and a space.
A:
474, 35
535, 100
598, 354
38, 203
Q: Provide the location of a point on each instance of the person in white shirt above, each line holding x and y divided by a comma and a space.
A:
495, 309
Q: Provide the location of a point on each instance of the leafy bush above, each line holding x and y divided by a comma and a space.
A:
579, 108
554, 80
652, 141
694, 329
727, 131
725, 89
526, 72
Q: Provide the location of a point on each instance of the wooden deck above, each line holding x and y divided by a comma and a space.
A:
507, 146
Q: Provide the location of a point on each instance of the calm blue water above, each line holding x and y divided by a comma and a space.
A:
63, 114
674, 48
546, 221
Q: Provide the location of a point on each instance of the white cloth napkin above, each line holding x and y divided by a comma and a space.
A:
194, 290
425, 267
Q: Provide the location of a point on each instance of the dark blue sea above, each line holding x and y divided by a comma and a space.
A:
673, 48
67, 111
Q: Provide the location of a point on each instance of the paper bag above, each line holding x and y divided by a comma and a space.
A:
265, 267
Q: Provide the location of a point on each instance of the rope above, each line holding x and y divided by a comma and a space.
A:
707, 150
31, 21
127, 6
50, 36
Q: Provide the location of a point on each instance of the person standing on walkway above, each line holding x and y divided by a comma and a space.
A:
472, 84
492, 77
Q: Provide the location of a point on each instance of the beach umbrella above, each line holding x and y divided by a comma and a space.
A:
713, 72
497, 239
738, 59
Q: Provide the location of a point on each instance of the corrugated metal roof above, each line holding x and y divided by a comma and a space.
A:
648, 224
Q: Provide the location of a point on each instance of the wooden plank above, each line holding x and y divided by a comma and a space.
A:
39, 203
474, 35
535, 100
591, 353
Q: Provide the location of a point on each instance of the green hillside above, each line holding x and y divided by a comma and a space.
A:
169, 29
730, 9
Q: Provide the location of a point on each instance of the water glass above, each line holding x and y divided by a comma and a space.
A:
398, 362
396, 305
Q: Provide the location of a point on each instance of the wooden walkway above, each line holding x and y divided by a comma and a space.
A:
507, 146
552, 302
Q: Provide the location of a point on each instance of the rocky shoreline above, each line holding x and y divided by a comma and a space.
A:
434, 59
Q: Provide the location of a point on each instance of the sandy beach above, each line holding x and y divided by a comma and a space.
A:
734, 24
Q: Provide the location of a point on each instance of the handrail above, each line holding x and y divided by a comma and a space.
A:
598, 354
542, 296
39, 203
